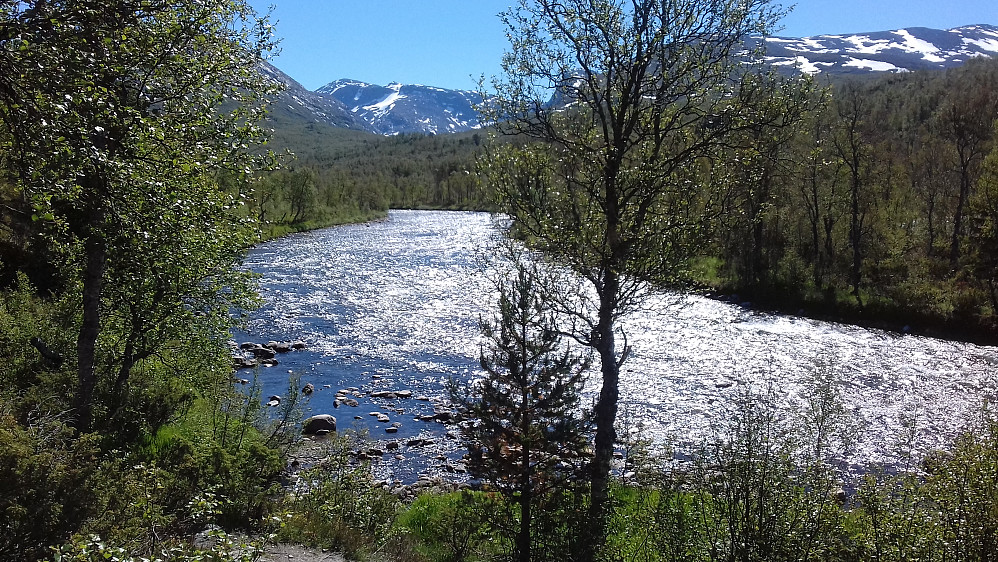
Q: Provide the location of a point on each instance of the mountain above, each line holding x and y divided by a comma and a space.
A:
296, 104
901, 50
412, 108
406, 108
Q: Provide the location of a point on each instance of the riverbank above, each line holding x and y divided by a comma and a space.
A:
876, 314
273, 231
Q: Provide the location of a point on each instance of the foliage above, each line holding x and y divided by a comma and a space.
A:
223, 549
615, 187
455, 527
358, 176
116, 118
879, 210
528, 433
335, 503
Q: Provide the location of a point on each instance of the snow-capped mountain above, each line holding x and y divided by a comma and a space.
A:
403, 108
298, 103
901, 50
406, 108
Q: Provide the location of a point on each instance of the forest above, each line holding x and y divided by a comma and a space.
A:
877, 206
139, 165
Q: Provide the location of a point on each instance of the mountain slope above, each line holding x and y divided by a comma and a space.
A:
297, 104
901, 50
406, 108
411, 108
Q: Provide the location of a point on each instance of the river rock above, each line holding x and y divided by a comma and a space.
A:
240, 362
319, 422
386, 394
391, 429
261, 352
308, 389
279, 346
350, 402
298, 345
383, 418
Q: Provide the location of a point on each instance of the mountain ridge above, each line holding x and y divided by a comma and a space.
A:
404, 108
899, 50
415, 108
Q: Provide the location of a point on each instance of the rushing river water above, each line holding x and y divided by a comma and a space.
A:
394, 305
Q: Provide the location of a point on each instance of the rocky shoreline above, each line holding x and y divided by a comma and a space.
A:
439, 448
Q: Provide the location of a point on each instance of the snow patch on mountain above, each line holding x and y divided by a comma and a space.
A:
414, 108
407, 108
900, 50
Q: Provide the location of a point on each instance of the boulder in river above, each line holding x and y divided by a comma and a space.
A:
319, 422
308, 389
240, 362
261, 352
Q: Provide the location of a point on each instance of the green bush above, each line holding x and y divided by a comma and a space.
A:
456, 527
335, 503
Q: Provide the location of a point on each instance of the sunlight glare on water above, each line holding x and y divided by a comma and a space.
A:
395, 305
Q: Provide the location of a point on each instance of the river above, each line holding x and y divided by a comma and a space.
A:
394, 305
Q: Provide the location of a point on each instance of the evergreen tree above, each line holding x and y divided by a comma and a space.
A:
529, 429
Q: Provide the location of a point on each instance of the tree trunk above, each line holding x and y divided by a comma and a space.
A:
856, 232
523, 537
605, 416
954, 251
86, 342
526, 484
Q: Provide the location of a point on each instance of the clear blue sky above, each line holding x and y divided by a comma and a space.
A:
449, 43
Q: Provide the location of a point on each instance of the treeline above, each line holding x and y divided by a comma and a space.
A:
881, 205
878, 205
331, 175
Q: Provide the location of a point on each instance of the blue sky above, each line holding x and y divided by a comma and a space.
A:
449, 43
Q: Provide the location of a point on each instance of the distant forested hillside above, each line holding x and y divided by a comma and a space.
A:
884, 205
333, 175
